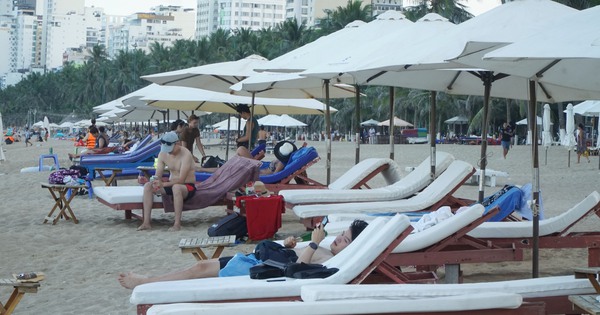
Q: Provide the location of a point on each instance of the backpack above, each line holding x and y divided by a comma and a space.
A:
82, 170
212, 161
269, 250
233, 224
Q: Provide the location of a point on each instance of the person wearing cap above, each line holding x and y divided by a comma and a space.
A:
283, 151
250, 133
181, 184
190, 134
313, 254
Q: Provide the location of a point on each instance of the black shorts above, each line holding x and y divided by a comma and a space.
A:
244, 144
191, 188
223, 261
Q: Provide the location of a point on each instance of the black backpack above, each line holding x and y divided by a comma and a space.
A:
269, 250
233, 224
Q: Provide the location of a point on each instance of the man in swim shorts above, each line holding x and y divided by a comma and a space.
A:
181, 183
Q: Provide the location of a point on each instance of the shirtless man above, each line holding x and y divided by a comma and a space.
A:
181, 184
312, 253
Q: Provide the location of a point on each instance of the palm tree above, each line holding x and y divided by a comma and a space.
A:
353, 11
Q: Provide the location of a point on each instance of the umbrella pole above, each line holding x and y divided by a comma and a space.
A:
252, 123
328, 130
392, 120
357, 109
432, 133
487, 83
229, 135
536, 182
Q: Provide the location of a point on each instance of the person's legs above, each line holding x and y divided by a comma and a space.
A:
147, 200
202, 269
180, 192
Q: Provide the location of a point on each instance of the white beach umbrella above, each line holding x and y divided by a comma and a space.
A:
569, 141
397, 122
524, 121
587, 108
47, 124
66, 124
182, 98
370, 122
547, 131
566, 52
38, 124
230, 124
281, 121
2, 157
132, 98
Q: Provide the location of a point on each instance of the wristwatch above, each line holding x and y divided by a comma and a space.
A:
313, 245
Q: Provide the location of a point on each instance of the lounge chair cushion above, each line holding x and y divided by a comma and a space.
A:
350, 262
339, 191
456, 303
547, 227
456, 173
528, 288
122, 194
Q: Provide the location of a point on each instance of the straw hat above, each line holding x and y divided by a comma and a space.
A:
260, 188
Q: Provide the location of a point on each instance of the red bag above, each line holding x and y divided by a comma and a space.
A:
263, 215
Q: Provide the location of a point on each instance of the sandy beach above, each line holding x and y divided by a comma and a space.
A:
82, 261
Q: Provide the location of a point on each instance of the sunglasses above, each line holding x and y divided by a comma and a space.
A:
167, 143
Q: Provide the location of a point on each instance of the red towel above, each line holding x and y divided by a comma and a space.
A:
263, 215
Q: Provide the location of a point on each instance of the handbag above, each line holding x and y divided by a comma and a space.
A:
210, 161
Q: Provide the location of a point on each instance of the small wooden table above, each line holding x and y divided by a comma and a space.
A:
17, 294
195, 245
591, 273
61, 201
585, 303
112, 179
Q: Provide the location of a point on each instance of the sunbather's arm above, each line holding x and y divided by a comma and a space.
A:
317, 236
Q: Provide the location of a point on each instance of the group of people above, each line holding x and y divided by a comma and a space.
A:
176, 155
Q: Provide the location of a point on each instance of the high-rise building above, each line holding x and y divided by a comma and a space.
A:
310, 11
380, 6
164, 25
236, 14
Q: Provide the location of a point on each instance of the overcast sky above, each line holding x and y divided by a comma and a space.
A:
126, 7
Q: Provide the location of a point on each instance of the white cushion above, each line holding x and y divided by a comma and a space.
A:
547, 226
122, 194
453, 176
476, 301
400, 188
351, 261
528, 288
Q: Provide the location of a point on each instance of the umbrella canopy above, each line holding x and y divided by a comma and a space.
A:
524, 121
132, 98
280, 121
215, 77
233, 124
457, 120
182, 98
46, 122
566, 52
370, 122
2, 157
569, 140
66, 124
38, 124
87, 122
547, 125
397, 122
343, 43
587, 108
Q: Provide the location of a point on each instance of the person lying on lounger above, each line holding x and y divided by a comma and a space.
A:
283, 151
182, 180
312, 253
101, 143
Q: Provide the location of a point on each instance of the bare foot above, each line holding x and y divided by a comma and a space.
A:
175, 228
131, 280
144, 227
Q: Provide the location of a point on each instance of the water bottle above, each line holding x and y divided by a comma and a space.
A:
51, 150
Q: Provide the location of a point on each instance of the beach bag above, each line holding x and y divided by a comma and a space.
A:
267, 270
269, 250
233, 224
308, 271
82, 170
210, 161
61, 176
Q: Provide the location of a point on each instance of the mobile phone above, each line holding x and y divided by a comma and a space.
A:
324, 221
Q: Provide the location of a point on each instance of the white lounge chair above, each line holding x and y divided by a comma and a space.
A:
355, 263
478, 303
339, 191
436, 194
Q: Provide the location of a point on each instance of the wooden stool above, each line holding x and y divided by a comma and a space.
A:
62, 196
20, 289
195, 245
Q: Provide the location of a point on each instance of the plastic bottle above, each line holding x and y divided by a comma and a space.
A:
51, 150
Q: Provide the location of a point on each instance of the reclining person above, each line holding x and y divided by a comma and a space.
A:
181, 184
313, 253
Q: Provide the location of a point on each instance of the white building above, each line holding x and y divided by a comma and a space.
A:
164, 25
235, 14
63, 28
310, 11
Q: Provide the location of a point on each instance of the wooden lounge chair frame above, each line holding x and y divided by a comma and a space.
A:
378, 264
